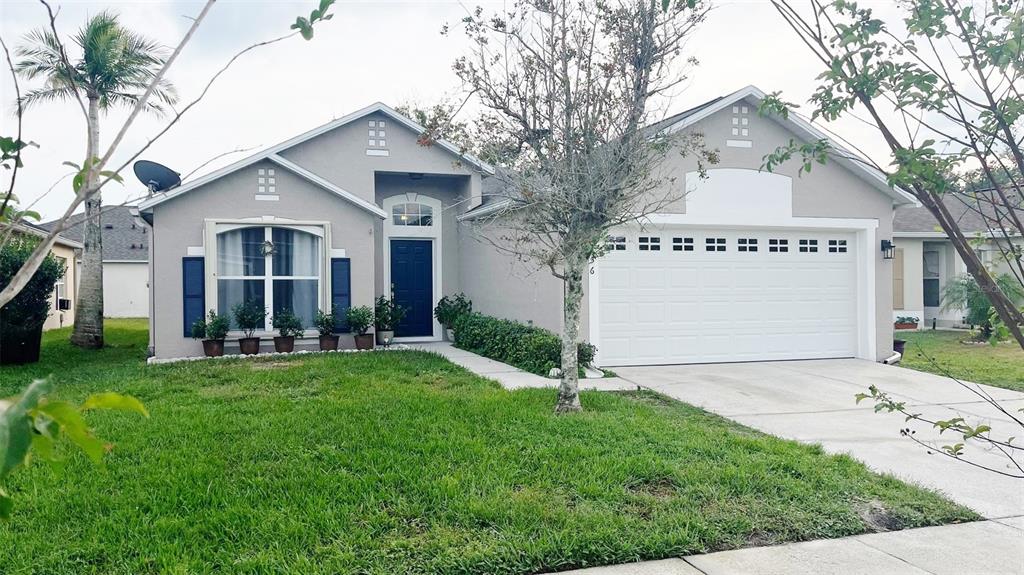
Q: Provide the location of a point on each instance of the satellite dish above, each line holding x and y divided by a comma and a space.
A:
156, 177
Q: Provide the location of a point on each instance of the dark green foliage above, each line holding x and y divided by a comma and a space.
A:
402, 463
450, 308
527, 347
214, 326
325, 321
387, 314
249, 316
359, 319
288, 324
29, 309
963, 292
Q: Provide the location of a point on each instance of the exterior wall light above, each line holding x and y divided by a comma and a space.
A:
888, 250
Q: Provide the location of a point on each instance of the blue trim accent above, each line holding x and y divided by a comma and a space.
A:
193, 291
341, 291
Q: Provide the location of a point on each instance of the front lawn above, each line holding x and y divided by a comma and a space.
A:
401, 462
1000, 365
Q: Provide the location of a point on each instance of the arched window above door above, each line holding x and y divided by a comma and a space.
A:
412, 214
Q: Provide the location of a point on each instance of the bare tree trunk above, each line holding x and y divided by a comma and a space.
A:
88, 331
569, 388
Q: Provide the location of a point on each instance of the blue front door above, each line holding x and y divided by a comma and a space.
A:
412, 280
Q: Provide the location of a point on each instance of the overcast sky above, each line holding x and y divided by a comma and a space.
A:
371, 51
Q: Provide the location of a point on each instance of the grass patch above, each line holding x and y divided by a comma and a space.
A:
1000, 365
401, 462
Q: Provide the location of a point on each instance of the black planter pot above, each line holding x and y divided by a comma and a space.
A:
249, 345
18, 346
284, 344
213, 347
898, 345
328, 342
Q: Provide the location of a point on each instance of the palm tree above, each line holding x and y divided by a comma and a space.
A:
114, 67
963, 292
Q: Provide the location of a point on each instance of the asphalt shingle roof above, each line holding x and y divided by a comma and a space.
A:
125, 237
919, 220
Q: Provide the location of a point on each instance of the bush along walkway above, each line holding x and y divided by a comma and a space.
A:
511, 377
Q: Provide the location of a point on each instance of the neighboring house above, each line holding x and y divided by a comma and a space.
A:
925, 260
62, 302
749, 266
125, 260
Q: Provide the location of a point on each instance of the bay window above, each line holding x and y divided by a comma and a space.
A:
278, 267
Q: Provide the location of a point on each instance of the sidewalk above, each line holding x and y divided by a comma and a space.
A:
513, 377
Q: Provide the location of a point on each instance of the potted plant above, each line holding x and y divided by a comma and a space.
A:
249, 316
906, 322
359, 321
451, 308
387, 315
289, 326
212, 330
324, 323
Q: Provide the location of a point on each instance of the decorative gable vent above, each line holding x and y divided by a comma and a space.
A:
266, 184
377, 138
740, 127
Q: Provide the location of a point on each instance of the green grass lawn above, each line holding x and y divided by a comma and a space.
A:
1001, 365
401, 462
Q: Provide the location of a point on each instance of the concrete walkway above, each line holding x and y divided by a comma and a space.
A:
513, 377
813, 402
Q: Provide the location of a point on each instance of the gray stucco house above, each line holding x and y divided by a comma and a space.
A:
749, 266
925, 260
125, 259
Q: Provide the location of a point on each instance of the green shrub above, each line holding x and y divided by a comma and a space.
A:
214, 327
527, 347
450, 308
325, 321
30, 308
288, 324
387, 314
359, 319
249, 316
963, 292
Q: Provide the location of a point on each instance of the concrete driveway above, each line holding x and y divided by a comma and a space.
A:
813, 402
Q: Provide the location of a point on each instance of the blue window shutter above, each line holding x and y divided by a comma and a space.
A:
341, 291
193, 291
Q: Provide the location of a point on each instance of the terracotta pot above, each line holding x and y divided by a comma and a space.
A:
906, 326
328, 342
249, 345
284, 344
898, 345
364, 341
385, 336
213, 347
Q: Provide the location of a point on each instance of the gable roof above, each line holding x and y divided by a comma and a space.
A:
273, 151
125, 239
41, 232
801, 127
914, 221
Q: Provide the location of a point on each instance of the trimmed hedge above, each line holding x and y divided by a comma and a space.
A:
527, 347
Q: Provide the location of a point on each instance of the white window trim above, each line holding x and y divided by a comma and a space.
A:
867, 256
212, 227
432, 233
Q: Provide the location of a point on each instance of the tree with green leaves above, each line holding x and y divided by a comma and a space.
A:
32, 423
941, 89
566, 88
114, 68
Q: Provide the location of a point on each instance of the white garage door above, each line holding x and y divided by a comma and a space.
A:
703, 296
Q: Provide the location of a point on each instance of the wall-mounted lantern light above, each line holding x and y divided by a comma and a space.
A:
888, 250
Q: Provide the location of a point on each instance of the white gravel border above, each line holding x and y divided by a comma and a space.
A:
159, 361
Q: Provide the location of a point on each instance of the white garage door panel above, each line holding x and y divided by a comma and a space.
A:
667, 306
